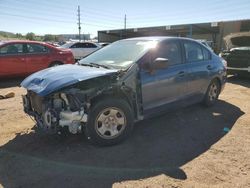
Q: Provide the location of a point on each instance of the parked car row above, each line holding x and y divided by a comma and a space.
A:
21, 58
127, 81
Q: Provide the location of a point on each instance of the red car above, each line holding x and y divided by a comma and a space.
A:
21, 58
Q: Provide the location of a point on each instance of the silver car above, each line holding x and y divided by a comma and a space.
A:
81, 49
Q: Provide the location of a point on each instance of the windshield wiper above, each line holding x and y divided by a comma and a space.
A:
99, 65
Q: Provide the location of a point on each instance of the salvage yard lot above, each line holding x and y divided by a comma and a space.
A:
191, 147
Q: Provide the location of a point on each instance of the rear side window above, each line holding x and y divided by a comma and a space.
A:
83, 45
11, 49
193, 52
206, 54
89, 45
36, 48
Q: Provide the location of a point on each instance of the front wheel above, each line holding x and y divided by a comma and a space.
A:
212, 93
110, 121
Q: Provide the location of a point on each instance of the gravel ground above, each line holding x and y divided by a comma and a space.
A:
191, 147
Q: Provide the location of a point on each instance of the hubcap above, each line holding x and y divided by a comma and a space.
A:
213, 92
110, 123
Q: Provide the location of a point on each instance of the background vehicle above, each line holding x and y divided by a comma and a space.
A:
81, 49
20, 58
208, 44
237, 53
103, 44
126, 81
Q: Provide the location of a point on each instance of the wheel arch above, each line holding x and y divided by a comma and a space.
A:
117, 95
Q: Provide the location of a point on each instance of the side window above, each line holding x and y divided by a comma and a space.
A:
82, 45
90, 45
193, 52
170, 50
36, 48
206, 54
11, 49
87, 45
76, 45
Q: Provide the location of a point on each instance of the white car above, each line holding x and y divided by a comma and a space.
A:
81, 49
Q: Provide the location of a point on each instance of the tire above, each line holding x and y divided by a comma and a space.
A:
212, 93
54, 64
109, 122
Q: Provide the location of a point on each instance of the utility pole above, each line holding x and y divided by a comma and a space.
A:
125, 22
125, 26
79, 22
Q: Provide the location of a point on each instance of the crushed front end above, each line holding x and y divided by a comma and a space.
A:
57, 112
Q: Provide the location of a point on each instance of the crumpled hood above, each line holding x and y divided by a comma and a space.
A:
52, 79
241, 39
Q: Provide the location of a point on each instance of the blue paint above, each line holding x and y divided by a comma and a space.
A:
52, 79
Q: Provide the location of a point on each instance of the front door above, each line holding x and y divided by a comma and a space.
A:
167, 85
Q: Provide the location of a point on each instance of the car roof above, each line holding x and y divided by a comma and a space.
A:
159, 38
25, 41
73, 42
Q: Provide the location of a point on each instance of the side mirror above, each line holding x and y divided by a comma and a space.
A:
160, 63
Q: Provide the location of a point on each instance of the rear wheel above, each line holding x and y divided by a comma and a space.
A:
110, 121
212, 93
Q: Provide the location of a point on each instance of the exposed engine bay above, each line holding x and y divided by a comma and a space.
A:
58, 112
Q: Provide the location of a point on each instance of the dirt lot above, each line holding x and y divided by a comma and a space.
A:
192, 147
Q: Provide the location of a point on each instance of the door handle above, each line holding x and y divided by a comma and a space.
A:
209, 67
181, 73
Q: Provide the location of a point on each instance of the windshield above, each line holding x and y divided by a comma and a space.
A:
121, 54
241, 41
66, 45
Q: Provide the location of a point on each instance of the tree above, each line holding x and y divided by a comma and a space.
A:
30, 36
48, 37
19, 35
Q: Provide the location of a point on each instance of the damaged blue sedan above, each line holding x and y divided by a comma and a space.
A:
129, 80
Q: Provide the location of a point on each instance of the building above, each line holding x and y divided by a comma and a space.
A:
212, 31
67, 37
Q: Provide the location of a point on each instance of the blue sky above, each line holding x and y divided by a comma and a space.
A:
60, 16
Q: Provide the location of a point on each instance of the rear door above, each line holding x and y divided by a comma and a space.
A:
166, 85
200, 66
12, 60
37, 58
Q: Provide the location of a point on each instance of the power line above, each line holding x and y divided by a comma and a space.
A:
50, 20
65, 9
